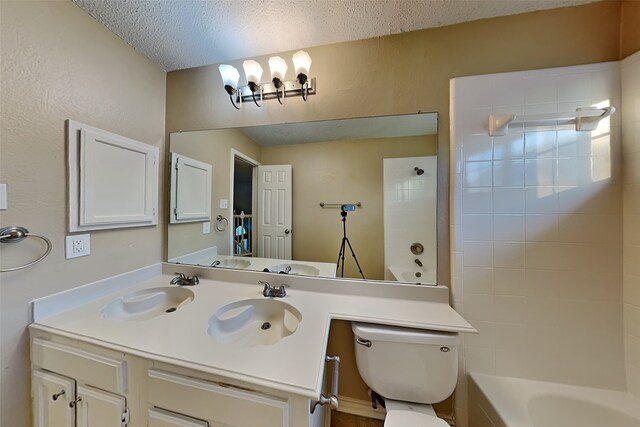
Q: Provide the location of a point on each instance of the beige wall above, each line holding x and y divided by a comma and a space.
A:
401, 74
629, 28
631, 217
57, 64
213, 147
342, 171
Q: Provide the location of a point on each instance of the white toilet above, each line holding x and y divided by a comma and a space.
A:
410, 368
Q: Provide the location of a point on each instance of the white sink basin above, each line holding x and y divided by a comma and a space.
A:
233, 263
301, 269
254, 322
147, 303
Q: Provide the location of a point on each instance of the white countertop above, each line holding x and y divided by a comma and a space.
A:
294, 365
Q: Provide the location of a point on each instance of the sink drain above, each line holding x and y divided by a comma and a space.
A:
170, 310
265, 326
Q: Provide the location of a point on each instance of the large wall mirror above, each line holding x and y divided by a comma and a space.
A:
353, 198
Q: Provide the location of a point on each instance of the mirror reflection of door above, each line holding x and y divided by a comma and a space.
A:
274, 211
242, 233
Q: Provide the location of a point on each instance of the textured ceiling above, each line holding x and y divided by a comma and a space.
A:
178, 34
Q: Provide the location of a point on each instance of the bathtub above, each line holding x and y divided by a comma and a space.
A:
512, 402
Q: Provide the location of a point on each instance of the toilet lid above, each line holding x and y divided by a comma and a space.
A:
399, 418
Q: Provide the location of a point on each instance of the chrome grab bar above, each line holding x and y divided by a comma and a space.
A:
332, 400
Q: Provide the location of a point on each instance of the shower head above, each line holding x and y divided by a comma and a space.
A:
418, 170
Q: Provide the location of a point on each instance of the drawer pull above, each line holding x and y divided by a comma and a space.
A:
58, 394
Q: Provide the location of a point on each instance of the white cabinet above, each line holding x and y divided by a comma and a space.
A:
113, 180
219, 404
51, 395
163, 418
72, 387
97, 408
77, 384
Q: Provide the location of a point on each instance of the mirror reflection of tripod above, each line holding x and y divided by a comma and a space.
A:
346, 242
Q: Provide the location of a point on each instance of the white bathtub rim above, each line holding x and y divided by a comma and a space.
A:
509, 397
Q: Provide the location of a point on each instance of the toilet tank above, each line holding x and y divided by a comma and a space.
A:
411, 365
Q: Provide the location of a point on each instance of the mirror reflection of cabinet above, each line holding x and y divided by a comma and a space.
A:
190, 190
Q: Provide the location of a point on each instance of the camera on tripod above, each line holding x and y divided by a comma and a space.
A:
345, 242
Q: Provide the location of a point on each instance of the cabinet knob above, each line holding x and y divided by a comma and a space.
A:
58, 394
73, 403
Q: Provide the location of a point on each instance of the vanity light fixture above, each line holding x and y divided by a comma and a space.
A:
230, 77
278, 88
278, 67
302, 64
253, 71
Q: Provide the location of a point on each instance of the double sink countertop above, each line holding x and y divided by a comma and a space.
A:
295, 364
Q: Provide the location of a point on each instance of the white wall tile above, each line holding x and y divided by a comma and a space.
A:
509, 147
508, 173
554, 199
508, 227
477, 227
509, 200
477, 200
478, 254
508, 254
478, 174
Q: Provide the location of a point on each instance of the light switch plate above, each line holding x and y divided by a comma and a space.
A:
224, 204
78, 245
3, 197
206, 227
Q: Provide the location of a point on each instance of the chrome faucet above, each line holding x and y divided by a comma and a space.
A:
215, 263
183, 280
273, 292
417, 261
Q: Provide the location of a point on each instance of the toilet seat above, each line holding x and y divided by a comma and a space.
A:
404, 418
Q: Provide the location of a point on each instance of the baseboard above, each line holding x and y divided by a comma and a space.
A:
359, 407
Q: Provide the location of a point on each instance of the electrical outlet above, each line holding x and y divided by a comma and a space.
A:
78, 245
206, 227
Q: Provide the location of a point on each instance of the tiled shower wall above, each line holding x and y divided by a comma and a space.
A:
537, 229
410, 215
631, 211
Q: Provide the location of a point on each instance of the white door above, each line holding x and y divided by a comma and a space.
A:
274, 211
97, 408
51, 395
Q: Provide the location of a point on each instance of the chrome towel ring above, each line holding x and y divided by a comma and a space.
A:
221, 223
15, 234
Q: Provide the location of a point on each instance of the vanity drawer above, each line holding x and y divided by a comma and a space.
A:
88, 368
161, 418
216, 403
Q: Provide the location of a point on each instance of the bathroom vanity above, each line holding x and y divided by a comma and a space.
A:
134, 350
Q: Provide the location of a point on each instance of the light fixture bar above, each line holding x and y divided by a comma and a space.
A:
291, 88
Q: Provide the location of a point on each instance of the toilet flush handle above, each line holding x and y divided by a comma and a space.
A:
363, 342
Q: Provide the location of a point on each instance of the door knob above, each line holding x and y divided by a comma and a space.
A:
287, 231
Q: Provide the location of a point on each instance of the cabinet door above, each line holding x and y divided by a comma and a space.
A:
51, 395
162, 418
97, 408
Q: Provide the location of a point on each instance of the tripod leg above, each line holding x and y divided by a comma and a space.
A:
340, 255
353, 254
